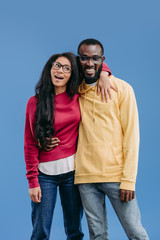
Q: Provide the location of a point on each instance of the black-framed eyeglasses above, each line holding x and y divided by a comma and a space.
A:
65, 68
85, 58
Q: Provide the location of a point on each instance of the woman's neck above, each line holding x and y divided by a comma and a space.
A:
59, 90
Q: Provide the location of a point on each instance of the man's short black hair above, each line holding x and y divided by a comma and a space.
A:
91, 41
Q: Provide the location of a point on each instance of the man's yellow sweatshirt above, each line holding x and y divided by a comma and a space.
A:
108, 143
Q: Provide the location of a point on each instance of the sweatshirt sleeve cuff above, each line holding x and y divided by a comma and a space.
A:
33, 182
105, 68
127, 186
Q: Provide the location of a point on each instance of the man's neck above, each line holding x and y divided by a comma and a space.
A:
92, 84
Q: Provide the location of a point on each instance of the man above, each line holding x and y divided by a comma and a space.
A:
107, 155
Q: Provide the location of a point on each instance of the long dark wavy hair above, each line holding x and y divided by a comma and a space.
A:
45, 93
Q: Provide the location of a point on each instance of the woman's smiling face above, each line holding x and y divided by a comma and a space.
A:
60, 74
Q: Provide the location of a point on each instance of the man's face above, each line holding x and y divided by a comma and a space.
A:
91, 60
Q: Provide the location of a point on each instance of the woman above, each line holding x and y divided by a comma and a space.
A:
54, 111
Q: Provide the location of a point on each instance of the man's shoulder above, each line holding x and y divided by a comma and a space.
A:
121, 85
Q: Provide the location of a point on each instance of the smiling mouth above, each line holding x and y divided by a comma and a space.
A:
89, 71
58, 77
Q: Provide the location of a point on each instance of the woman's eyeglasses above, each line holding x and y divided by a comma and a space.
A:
65, 68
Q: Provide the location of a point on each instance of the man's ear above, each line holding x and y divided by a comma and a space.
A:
103, 58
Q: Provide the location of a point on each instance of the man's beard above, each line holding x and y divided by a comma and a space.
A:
89, 80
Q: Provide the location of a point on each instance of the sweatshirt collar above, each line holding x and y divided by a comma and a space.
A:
85, 87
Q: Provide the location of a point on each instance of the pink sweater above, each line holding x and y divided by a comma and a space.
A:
67, 117
105, 68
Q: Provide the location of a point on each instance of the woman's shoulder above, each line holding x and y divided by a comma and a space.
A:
31, 104
32, 101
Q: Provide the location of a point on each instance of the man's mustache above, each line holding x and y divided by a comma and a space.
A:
88, 67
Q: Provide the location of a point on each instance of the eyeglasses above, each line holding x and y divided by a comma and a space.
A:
65, 68
85, 59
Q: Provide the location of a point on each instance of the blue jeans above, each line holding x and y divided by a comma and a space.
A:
42, 213
93, 199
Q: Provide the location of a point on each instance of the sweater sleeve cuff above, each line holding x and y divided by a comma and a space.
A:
105, 68
127, 186
33, 182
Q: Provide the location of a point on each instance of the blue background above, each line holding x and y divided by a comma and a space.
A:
30, 32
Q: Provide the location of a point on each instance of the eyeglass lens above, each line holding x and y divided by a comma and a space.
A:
84, 58
65, 68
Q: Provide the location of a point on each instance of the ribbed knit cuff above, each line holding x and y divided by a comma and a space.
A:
33, 182
127, 185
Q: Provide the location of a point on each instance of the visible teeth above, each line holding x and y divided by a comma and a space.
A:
58, 77
90, 70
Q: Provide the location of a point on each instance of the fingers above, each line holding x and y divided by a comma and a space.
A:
98, 89
52, 139
102, 94
34, 198
39, 195
122, 195
47, 149
50, 143
105, 92
39, 144
104, 86
126, 195
115, 89
133, 195
109, 90
35, 194
109, 93
106, 95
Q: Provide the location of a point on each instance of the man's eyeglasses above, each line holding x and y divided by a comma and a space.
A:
65, 68
85, 59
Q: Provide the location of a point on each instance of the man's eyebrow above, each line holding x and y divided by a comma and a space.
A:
96, 55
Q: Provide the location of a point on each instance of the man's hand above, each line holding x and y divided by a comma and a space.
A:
126, 195
49, 144
35, 194
104, 86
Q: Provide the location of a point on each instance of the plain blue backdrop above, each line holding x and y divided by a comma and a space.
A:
30, 32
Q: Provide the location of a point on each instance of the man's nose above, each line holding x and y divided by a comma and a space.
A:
90, 63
